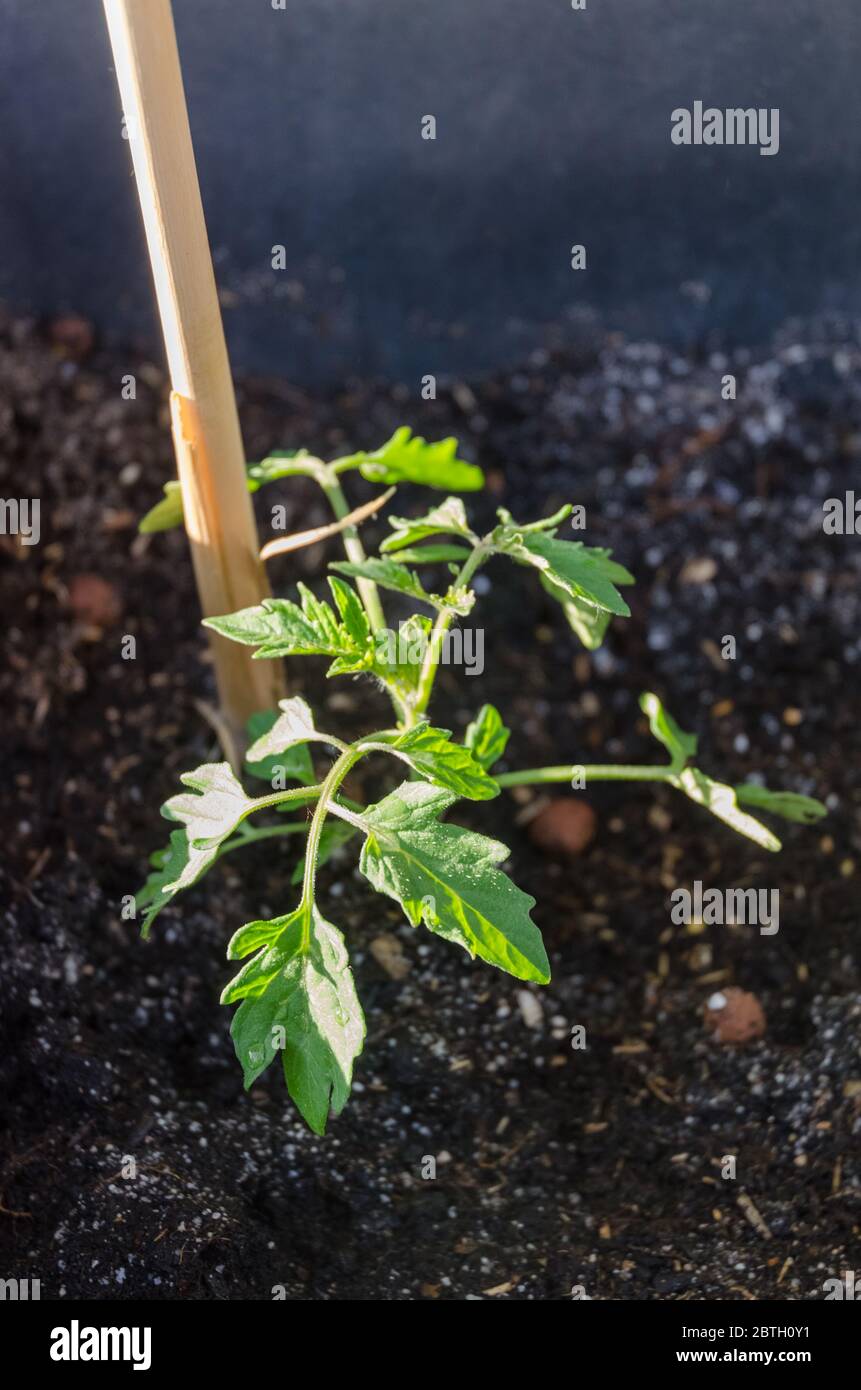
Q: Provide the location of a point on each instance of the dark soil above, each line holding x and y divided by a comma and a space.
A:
556, 1168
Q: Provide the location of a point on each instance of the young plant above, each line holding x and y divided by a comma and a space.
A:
295, 992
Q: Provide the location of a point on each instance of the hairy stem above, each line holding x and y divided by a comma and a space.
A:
249, 834
263, 832
594, 772
292, 794
351, 817
430, 664
338, 772
355, 551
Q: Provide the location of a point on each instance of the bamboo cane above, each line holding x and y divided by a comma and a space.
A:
210, 458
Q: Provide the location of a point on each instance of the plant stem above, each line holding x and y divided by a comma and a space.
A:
338, 809
293, 794
263, 832
441, 627
248, 834
337, 773
355, 551
594, 772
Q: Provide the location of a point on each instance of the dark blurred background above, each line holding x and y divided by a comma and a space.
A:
407, 256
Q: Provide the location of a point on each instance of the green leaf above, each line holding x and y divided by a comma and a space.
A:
487, 737
293, 766
720, 799
398, 656
449, 518
431, 753
279, 627
680, 746
166, 514
790, 805
351, 611
294, 725
404, 458
175, 867
298, 997
407, 458
391, 575
589, 623
247, 940
282, 463
576, 570
582, 572
213, 808
547, 523
446, 877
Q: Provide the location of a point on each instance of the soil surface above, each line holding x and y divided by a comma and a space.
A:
132, 1164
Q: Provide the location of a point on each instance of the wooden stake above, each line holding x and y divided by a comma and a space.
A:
210, 458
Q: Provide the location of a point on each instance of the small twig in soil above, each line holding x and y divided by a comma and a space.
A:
5, 1211
223, 732
753, 1215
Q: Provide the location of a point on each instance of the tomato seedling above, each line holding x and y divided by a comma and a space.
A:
295, 993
